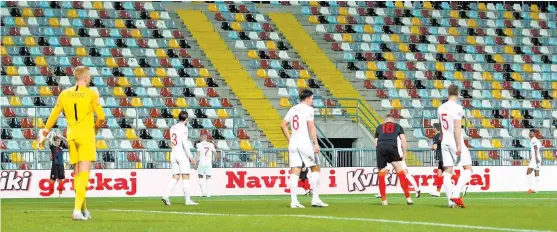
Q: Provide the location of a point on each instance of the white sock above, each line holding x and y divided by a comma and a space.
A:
530, 178
448, 185
186, 188
207, 188
171, 186
202, 186
293, 185
462, 180
314, 181
536, 182
412, 182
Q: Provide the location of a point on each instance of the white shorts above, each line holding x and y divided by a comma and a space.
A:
404, 166
450, 158
205, 169
301, 154
180, 164
533, 165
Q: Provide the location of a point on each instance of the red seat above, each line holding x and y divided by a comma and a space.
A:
368, 84
167, 82
65, 41
204, 132
411, 66
68, 71
442, 40
24, 166
99, 166
535, 86
219, 17
339, 28
467, 143
516, 124
154, 113
539, 134
336, 47
125, 33
500, 41
269, 83
242, 134
264, 36
414, 93
328, 37
165, 92
243, 9
297, 65
498, 68
125, 102
165, 63
351, 20
166, 134
274, 55
430, 133
535, 32
28, 81
536, 104
177, 34
76, 61
136, 144
132, 156
139, 6
150, 123
27, 123
331, 103
381, 94
494, 155
116, 52
505, 113
370, 56
2, 145
546, 143
414, 39
47, 51
7, 90
468, 67
211, 92
117, 113
395, 113
427, 123
362, 11
218, 123
122, 62
104, 32
389, 75
480, 49
536, 50
112, 81
225, 102
38, 13
409, 84
496, 123
467, 84
466, 103
103, 14
424, 31
142, 43
197, 63
45, 71
389, 21
267, 27
204, 103
29, 134
7, 61
315, 11
170, 102
264, 64
124, 14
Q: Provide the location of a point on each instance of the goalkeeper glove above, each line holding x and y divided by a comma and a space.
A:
43, 133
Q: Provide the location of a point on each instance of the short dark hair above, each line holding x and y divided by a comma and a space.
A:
183, 116
305, 93
533, 131
437, 126
453, 90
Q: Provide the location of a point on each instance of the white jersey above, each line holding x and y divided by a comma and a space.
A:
179, 140
298, 117
206, 151
535, 143
447, 113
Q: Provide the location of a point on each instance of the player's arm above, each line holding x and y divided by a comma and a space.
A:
458, 131
376, 136
313, 131
43, 133
98, 111
197, 153
403, 141
215, 154
536, 153
434, 145
284, 128
186, 146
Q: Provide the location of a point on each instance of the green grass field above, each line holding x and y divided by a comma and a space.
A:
486, 211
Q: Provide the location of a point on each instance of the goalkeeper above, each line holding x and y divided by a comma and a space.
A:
79, 104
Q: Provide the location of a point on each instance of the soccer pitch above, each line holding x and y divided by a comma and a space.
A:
484, 212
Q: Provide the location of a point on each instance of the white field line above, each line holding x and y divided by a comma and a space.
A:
236, 199
400, 222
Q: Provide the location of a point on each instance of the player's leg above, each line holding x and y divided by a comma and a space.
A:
61, 177
465, 176
87, 153
439, 180
448, 162
207, 185
79, 191
309, 159
530, 179
397, 165
382, 166
175, 179
411, 179
382, 175
184, 166
536, 179
295, 168
201, 182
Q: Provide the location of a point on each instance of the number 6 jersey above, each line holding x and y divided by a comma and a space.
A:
447, 113
298, 117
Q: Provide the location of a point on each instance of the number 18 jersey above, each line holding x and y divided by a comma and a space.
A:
447, 113
298, 117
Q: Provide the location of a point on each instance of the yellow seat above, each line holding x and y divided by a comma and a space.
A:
139, 72
28, 12
395, 38
301, 83
271, 45
314, 3
372, 66
438, 84
122, 81
101, 144
517, 77
200, 82
130, 134
389, 56
509, 32
403, 47
72, 14
111, 62
304, 74
98, 5
371, 75
496, 143
272, 164
119, 23
546, 104
498, 58
284, 102
487, 76
35, 145
439, 66
516, 114
30, 41
486, 123
38, 122
534, 8
415, 30
347, 37
222, 113
441, 48
45, 91
368, 29
203, 72
136, 102
155, 15
119, 92
53, 22
16, 158
41, 61
454, 14
237, 26
135, 33
19, 21
262, 73
482, 6
496, 94
81, 52
239, 18
482, 155
181, 102
547, 155
138, 165
472, 23
161, 53
252, 54
554, 85
175, 113
11, 71
428, 5
343, 11
496, 85
7, 40
313, 19
3, 51
509, 50
325, 112
70, 32
157, 82
161, 72
213, 7
453, 31
471, 40
400, 75
15, 101
399, 4
527, 68
173, 43
396, 104
508, 15
459, 76
341, 20
167, 156
436, 103
399, 84
534, 15
477, 114
416, 21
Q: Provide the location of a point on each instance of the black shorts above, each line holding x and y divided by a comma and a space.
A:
57, 172
387, 153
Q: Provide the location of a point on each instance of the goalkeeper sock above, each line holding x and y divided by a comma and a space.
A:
81, 189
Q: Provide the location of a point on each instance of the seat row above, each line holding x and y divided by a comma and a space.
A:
88, 23
515, 114
82, 13
450, 66
107, 72
84, 32
477, 95
100, 62
467, 85
97, 5
95, 52
241, 17
450, 57
232, 35
34, 82
31, 41
165, 112
495, 104
461, 76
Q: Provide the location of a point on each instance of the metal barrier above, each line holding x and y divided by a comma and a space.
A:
268, 158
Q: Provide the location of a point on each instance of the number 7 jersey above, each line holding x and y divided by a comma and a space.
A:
447, 113
298, 117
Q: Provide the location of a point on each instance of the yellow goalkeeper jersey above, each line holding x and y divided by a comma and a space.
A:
79, 105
